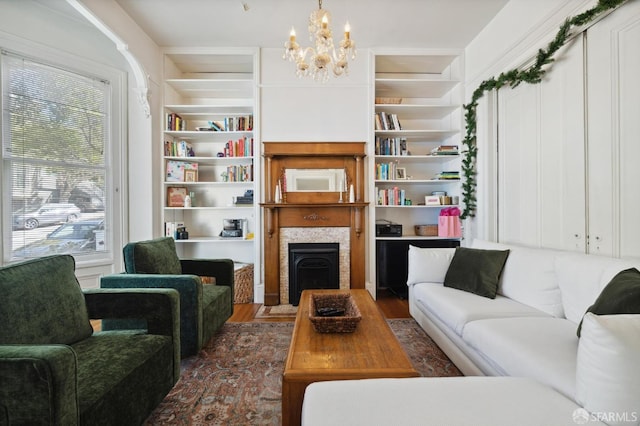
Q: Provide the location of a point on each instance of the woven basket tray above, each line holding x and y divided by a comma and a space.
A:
339, 324
426, 230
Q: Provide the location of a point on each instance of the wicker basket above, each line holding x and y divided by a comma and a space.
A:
243, 284
338, 324
426, 230
392, 101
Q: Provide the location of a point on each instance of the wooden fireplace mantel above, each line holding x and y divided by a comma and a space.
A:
312, 209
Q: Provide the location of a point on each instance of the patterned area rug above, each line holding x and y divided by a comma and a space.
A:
237, 378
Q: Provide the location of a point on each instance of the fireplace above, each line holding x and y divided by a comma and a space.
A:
312, 265
317, 215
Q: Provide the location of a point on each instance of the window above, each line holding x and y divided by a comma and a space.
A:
55, 132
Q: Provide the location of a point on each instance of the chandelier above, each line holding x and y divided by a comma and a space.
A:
324, 56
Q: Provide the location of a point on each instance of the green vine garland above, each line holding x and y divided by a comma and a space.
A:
513, 78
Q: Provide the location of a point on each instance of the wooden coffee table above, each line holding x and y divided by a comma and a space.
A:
372, 351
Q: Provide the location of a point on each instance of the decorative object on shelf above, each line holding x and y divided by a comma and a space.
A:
190, 175
278, 194
176, 170
187, 201
324, 56
449, 223
513, 78
352, 195
176, 196
426, 230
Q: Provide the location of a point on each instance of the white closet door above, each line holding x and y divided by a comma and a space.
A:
613, 65
541, 158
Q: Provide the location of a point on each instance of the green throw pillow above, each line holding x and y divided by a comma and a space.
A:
620, 296
152, 257
476, 271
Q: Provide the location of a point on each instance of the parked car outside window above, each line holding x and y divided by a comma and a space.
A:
71, 238
47, 214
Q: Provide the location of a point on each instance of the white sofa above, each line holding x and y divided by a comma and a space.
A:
526, 334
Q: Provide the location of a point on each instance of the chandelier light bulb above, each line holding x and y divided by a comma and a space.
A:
324, 55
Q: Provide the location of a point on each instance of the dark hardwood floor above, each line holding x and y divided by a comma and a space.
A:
390, 305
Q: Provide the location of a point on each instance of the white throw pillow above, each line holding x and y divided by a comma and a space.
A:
582, 277
607, 372
428, 265
529, 276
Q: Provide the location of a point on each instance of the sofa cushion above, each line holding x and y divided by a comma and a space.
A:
529, 276
152, 257
42, 303
113, 363
620, 296
610, 341
477, 401
428, 265
541, 348
456, 308
476, 270
582, 277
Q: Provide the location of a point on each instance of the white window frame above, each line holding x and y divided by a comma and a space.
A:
114, 149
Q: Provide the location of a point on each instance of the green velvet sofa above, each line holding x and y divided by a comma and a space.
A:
204, 308
55, 370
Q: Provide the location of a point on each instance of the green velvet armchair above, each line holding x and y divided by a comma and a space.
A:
204, 308
55, 370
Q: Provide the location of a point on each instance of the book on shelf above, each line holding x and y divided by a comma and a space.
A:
445, 150
391, 146
386, 121
390, 196
387, 171
243, 147
175, 122
178, 149
175, 170
448, 175
238, 173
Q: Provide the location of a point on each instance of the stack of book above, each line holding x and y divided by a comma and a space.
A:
448, 175
247, 198
445, 150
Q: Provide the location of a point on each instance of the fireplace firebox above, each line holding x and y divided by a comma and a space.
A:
312, 266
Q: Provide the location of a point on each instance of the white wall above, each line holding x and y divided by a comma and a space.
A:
295, 109
144, 149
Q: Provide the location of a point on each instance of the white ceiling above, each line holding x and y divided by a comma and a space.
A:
266, 23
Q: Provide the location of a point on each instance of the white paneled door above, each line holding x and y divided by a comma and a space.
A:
569, 148
613, 131
541, 173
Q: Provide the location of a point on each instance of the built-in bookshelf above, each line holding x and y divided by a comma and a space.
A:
416, 143
209, 153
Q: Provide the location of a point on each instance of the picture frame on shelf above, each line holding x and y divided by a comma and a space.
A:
176, 196
190, 175
401, 173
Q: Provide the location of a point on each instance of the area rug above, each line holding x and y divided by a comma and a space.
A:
237, 378
277, 311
